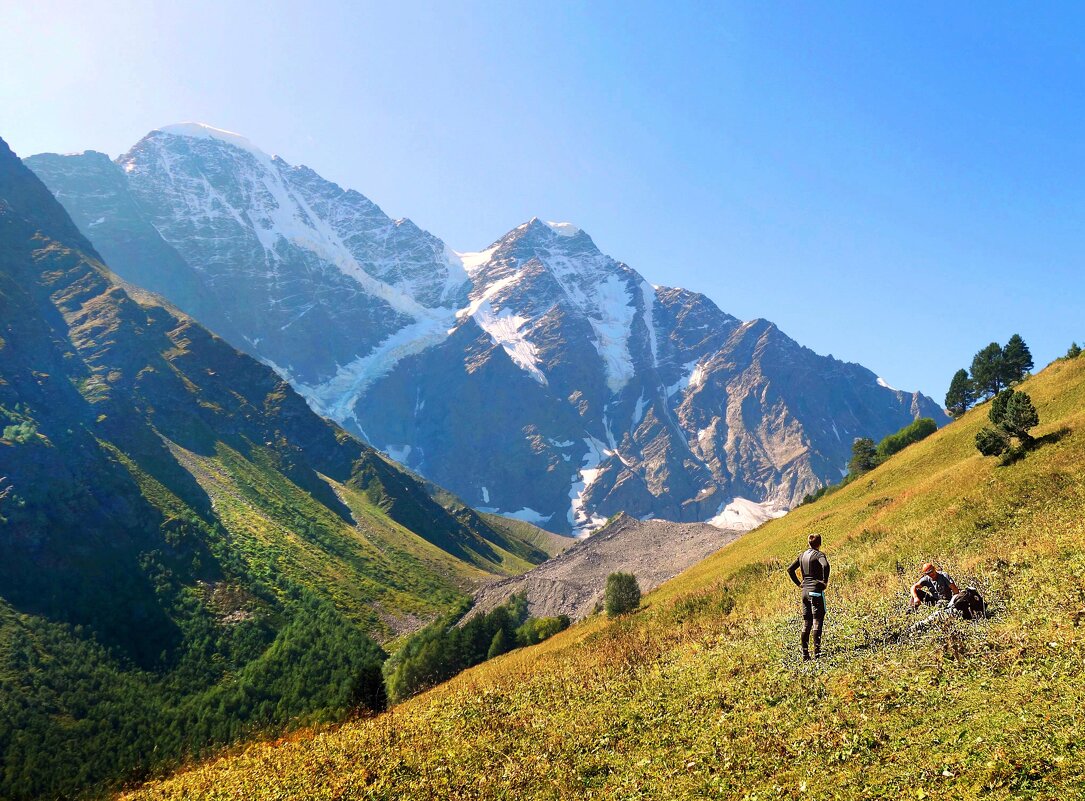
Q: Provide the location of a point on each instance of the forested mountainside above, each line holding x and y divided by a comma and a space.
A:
189, 553
602, 392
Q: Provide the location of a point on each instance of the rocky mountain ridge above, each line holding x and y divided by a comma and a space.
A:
537, 378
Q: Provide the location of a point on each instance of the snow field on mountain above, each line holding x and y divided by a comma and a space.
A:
563, 228
613, 329
338, 396
504, 327
582, 520
742, 514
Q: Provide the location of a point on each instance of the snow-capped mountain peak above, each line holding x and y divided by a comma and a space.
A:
562, 228
537, 374
200, 130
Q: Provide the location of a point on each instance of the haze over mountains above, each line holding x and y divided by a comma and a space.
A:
538, 378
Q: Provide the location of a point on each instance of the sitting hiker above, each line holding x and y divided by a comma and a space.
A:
968, 604
932, 587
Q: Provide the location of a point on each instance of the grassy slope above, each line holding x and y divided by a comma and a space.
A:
690, 698
547, 541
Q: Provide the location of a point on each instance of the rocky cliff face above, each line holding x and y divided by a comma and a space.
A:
538, 378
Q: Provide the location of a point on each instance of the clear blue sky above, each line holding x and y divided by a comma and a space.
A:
896, 187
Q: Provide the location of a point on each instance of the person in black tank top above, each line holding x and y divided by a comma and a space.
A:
811, 572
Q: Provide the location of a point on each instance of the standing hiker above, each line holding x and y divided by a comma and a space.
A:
814, 569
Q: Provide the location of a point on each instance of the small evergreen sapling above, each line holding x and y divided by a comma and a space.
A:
1018, 415
622, 594
1013, 415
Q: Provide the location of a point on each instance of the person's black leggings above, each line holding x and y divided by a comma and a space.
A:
813, 613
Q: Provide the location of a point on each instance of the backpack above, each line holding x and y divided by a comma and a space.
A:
970, 604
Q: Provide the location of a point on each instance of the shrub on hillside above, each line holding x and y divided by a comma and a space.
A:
537, 629
622, 594
1073, 351
1013, 415
914, 432
991, 443
20, 433
865, 455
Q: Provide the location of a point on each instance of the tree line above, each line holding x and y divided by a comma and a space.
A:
442, 649
994, 368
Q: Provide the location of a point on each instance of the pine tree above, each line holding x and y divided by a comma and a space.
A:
1013, 414
987, 370
997, 413
1018, 415
1074, 351
864, 456
961, 394
621, 595
991, 443
1016, 360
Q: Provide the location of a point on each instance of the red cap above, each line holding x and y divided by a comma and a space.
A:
928, 568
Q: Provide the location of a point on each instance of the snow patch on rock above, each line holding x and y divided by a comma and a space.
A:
505, 328
741, 514
400, 453
688, 371
583, 521
562, 228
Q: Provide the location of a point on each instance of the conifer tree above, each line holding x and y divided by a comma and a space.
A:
1014, 414
498, 645
1016, 360
961, 394
987, 371
1073, 351
991, 443
864, 456
622, 594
